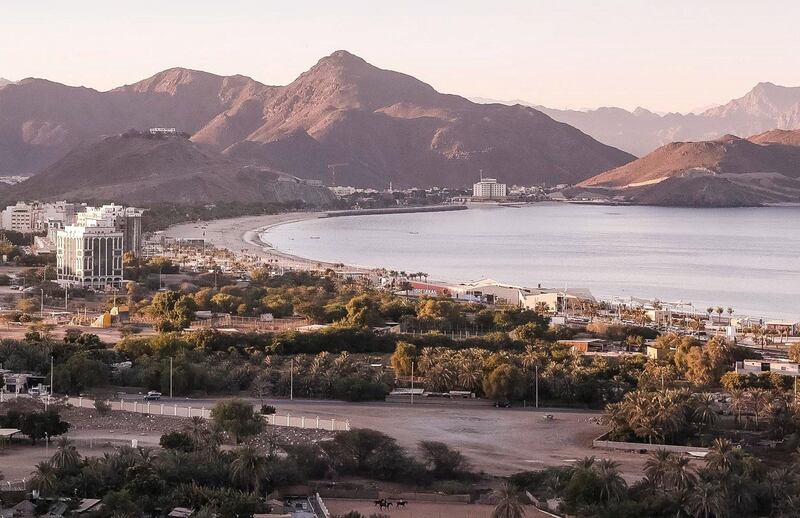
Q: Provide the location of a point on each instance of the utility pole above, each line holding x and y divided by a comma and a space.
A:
291, 379
66, 298
412, 382
47, 401
41, 309
170, 377
536, 369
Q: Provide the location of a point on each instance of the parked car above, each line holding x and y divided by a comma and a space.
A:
152, 396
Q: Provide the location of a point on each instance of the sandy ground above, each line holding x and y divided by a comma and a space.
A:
419, 509
496, 441
240, 235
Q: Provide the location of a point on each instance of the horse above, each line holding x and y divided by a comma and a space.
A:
401, 504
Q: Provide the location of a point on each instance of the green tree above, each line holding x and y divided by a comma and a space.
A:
249, 468
504, 383
237, 418
362, 311
177, 441
509, 504
44, 478
172, 311
404, 354
38, 425
66, 458
442, 461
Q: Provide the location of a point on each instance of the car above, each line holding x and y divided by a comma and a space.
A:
152, 396
502, 404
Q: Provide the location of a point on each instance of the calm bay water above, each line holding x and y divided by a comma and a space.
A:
748, 259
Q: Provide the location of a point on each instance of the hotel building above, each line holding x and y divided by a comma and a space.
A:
488, 188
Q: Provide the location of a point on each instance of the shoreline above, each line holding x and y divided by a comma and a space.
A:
243, 235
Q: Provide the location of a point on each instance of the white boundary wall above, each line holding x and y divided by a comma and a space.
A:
157, 408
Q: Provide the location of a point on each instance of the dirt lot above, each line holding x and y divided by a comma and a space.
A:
420, 509
496, 441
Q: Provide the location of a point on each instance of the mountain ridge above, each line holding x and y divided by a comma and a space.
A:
380, 126
727, 171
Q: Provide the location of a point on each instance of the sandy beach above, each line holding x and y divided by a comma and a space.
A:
241, 235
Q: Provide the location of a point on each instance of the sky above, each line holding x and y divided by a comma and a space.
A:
673, 55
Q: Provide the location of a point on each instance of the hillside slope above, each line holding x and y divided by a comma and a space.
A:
136, 167
730, 171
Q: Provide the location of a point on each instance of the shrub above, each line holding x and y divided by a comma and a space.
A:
179, 441
102, 406
352, 388
267, 410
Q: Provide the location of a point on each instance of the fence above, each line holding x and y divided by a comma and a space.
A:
604, 444
148, 407
250, 323
320, 505
316, 423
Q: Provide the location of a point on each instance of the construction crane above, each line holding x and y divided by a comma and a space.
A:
332, 169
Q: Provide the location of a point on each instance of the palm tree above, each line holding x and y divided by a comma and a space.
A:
612, 486
719, 311
44, 478
656, 468
509, 505
721, 455
709, 310
730, 312
679, 475
66, 457
704, 413
738, 403
249, 468
758, 401
707, 500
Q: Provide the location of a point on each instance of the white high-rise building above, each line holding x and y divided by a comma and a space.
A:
488, 188
89, 254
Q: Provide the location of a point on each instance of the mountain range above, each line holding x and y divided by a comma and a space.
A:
343, 117
767, 106
729, 171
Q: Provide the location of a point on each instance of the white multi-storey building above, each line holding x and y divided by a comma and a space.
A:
128, 220
89, 254
488, 188
18, 217
34, 217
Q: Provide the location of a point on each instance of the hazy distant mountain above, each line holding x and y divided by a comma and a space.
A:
380, 126
4, 82
729, 171
765, 107
136, 167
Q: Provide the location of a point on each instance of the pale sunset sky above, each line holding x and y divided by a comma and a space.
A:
674, 55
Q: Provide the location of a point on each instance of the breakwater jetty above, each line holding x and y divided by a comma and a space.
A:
393, 210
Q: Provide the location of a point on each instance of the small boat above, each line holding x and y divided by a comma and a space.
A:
314, 237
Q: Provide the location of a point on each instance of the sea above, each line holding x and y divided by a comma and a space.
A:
744, 258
